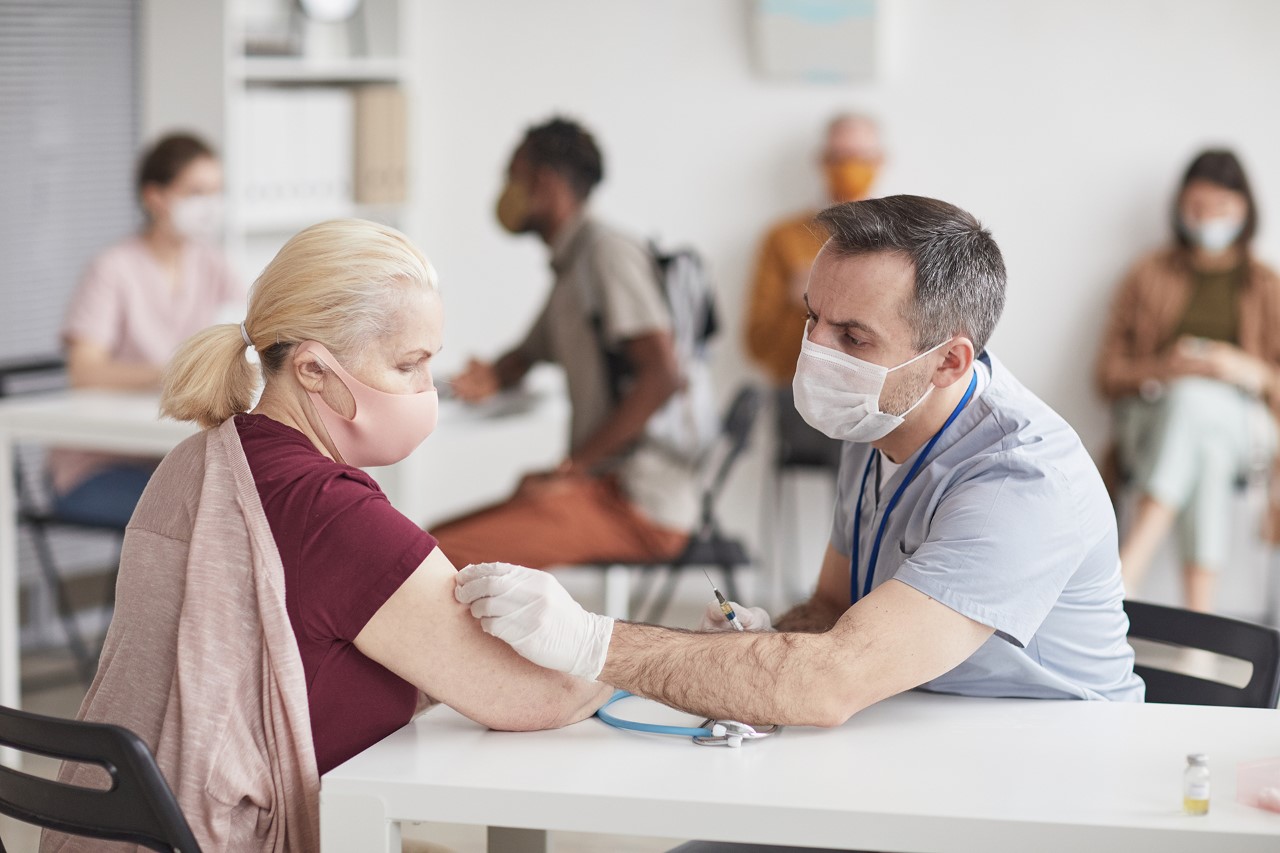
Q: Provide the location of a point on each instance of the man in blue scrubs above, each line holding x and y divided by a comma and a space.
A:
974, 549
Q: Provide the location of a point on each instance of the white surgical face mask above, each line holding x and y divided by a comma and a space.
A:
1214, 235
839, 395
198, 217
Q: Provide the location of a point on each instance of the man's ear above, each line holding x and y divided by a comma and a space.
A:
957, 360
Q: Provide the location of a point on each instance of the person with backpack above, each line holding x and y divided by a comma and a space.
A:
625, 491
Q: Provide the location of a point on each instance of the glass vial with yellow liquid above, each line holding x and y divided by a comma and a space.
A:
1195, 784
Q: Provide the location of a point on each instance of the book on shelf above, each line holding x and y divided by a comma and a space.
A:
299, 163
318, 152
381, 145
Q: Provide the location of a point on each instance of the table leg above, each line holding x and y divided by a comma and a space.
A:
10, 682
504, 839
617, 592
356, 822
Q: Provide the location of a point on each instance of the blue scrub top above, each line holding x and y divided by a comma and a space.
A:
1007, 523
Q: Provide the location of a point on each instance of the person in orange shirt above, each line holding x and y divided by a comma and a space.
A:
776, 315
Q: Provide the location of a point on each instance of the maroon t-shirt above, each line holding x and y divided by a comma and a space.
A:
345, 550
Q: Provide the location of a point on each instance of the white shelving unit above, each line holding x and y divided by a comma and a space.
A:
274, 70
197, 75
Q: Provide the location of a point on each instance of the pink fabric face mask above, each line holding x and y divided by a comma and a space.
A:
386, 427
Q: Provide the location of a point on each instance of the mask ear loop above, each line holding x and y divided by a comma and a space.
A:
928, 390
323, 431
916, 358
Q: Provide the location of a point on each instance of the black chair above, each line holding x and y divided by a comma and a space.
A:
708, 545
139, 807
799, 451
39, 374
1257, 644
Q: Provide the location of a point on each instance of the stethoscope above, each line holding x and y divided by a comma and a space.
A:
893, 502
729, 733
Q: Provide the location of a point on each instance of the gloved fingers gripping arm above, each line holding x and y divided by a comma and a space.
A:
530, 611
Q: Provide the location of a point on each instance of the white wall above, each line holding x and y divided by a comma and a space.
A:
1063, 126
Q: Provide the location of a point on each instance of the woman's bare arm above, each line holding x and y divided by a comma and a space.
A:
89, 365
423, 634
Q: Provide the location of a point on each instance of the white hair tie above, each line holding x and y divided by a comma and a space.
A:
244, 333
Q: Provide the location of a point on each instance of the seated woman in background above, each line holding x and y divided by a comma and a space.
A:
1191, 357
138, 301
275, 615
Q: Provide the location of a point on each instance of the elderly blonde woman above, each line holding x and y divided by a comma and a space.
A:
275, 614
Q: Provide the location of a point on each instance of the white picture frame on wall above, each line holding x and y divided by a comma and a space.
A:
820, 41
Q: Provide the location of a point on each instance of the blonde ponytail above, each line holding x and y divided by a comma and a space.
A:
341, 283
209, 379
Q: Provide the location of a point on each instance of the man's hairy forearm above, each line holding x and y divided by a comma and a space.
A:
757, 678
810, 617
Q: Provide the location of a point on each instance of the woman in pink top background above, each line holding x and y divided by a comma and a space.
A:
137, 302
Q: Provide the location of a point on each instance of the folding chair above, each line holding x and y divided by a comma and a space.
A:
43, 524
139, 807
708, 545
799, 453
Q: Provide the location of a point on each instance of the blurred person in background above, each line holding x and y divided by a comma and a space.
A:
851, 158
137, 302
1191, 361
624, 497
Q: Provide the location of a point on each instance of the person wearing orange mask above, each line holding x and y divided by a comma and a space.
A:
851, 159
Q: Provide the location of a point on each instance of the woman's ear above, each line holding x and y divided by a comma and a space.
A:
309, 370
153, 200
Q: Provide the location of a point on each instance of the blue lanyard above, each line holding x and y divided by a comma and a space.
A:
893, 502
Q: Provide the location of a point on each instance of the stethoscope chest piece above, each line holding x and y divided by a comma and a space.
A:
731, 733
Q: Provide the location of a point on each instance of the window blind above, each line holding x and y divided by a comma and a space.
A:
68, 142
69, 98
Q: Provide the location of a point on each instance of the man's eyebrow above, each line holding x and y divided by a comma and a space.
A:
845, 324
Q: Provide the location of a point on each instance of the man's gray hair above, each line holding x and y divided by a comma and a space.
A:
959, 272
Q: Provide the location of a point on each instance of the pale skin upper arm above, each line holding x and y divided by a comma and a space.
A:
424, 635
904, 639
90, 365
931, 634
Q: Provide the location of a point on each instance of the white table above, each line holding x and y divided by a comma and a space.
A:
89, 420
918, 772
473, 457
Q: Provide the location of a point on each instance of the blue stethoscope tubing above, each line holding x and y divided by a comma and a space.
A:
632, 725
893, 502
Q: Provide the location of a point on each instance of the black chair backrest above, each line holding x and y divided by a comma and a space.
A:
139, 807
1257, 644
39, 373
26, 376
739, 421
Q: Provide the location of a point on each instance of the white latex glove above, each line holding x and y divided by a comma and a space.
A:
531, 612
752, 618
